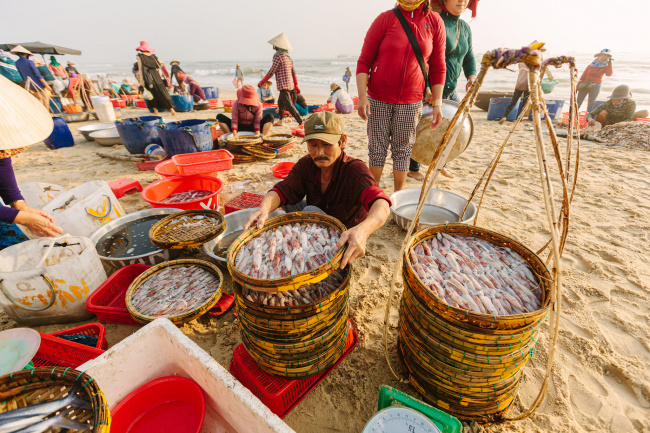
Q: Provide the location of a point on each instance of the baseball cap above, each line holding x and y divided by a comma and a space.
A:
326, 126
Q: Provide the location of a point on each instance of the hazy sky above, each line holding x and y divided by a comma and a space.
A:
190, 30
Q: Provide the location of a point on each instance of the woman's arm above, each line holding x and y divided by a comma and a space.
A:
140, 76
469, 63
364, 105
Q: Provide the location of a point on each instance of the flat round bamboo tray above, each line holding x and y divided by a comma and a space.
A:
244, 141
259, 152
238, 158
294, 281
28, 387
173, 232
278, 140
183, 317
466, 363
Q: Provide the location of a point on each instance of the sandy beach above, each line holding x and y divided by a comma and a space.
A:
600, 379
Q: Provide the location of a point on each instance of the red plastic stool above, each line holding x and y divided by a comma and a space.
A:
122, 186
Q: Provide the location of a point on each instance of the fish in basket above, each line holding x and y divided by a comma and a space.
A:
180, 290
290, 251
469, 318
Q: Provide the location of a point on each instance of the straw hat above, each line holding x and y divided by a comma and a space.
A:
23, 119
127, 82
18, 49
174, 62
144, 47
247, 95
536, 45
621, 92
281, 42
334, 86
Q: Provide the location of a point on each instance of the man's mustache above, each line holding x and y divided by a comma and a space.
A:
322, 158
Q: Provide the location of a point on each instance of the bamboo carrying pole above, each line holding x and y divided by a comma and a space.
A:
558, 225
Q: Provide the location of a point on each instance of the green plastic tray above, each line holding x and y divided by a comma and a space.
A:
389, 396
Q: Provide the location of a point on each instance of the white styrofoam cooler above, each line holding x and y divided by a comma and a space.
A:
161, 349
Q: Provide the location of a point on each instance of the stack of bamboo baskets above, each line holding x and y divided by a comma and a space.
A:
293, 342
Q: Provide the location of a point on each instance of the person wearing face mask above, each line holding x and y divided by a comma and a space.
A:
592, 78
619, 108
328, 181
459, 57
403, 56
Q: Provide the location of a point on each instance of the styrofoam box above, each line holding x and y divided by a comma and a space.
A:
160, 349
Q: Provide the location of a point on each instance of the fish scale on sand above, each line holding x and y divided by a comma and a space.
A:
288, 250
174, 290
473, 274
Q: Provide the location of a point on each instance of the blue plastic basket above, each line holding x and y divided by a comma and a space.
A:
60, 136
498, 109
183, 102
187, 136
138, 132
211, 92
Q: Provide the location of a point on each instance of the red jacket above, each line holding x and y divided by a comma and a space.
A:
596, 74
387, 55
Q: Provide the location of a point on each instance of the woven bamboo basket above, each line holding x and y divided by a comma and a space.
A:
278, 140
294, 281
184, 316
259, 152
238, 158
244, 141
467, 363
29, 387
171, 233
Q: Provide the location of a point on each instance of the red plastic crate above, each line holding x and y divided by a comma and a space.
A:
150, 165
246, 200
581, 115
203, 162
124, 185
278, 394
57, 352
108, 303
214, 103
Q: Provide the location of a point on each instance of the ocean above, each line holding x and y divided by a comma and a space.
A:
315, 75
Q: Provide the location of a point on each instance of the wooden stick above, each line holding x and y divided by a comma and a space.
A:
120, 157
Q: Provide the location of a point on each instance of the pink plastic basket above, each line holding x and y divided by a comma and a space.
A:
278, 394
203, 162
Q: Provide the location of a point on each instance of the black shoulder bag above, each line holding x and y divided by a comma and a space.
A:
415, 45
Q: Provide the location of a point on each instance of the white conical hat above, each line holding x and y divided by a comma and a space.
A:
281, 42
18, 49
23, 119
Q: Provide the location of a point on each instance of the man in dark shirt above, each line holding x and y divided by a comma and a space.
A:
70, 69
332, 183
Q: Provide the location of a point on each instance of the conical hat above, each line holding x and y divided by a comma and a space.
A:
23, 119
18, 49
281, 42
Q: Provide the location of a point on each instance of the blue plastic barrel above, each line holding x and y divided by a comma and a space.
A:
138, 132
211, 92
60, 136
187, 136
554, 107
498, 109
183, 102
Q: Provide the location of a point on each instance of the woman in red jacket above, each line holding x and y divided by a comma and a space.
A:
592, 78
391, 84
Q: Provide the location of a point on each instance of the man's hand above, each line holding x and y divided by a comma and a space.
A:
234, 133
470, 82
259, 217
297, 89
592, 122
355, 238
364, 107
257, 133
436, 118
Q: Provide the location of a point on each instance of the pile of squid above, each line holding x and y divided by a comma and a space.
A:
302, 296
473, 274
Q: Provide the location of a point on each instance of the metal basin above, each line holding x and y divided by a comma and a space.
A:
234, 225
74, 117
151, 258
445, 207
106, 137
428, 140
88, 129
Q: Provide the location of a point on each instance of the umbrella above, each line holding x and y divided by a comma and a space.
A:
41, 48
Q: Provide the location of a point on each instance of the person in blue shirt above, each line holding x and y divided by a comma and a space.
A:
28, 70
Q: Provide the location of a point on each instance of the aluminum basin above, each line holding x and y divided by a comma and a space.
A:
88, 129
444, 199
234, 223
152, 258
106, 137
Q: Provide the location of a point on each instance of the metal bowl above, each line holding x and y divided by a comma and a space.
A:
428, 140
234, 224
106, 137
224, 138
74, 117
451, 204
152, 258
88, 129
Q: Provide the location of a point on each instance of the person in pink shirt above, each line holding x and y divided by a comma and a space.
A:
392, 84
195, 90
247, 114
592, 78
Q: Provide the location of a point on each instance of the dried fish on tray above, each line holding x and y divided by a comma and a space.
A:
471, 273
182, 197
288, 250
179, 290
302, 296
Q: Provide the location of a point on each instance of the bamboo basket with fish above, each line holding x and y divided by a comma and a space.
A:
259, 152
179, 290
278, 140
187, 229
474, 300
312, 235
52, 399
